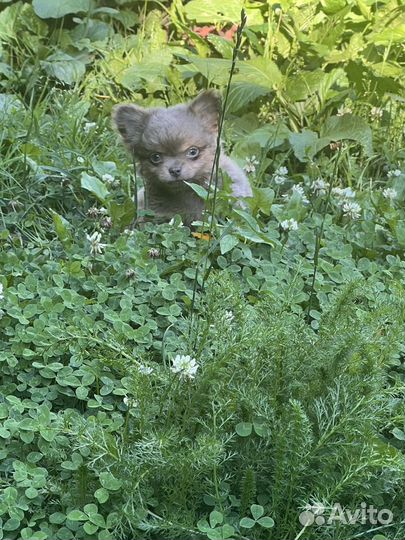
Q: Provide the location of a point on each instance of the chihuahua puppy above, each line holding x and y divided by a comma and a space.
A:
174, 146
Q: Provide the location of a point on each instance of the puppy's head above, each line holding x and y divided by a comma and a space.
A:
173, 144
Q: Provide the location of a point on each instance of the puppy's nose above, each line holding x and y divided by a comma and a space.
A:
175, 171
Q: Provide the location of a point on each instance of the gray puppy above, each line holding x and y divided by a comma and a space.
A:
176, 145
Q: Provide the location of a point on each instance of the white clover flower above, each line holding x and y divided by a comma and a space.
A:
229, 316
109, 178
154, 253
344, 193
130, 401
319, 187
185, 366
282, 171
289, 225
96, 246
343, 110
280, 175
80, 159
299, 189
395, 172
376, 113
145, 370
351, 210
250, 164
1, 292
279, 180
390, 193
106, 222
88, 126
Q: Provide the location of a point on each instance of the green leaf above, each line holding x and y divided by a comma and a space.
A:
104, 534
64, 67
82, 392
242, 93
122, 214
331, 7
398, 434
101, 495
266, 522
227, 243
304, 144
244, 429
247, 523
210, 11
108, 481
201, 192
31, 493
77, 515
257, 511
260, 71
57, 518
90, 528
95, 186
54, 9
348, 126
203, 525
216, 518
61, 227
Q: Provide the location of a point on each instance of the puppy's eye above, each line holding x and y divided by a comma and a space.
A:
193, 152
155, 158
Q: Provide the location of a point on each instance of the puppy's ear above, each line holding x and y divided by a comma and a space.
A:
207, 106
130, 121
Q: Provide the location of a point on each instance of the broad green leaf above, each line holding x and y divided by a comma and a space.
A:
266, 522
244, 429
262, 200
399, 434
216, 518
31, 493
348, 126
54, 9
104, 534
61, 227
90, 528
260, 71
212, 11
201, 192
257, 511
101, 495
122, 214
57, 517
333, 6
95, 186
64, 67
247, 523
77, 515
227, 243
304, 144
215, 70
268, 136
203, 525
108, 481
242, 93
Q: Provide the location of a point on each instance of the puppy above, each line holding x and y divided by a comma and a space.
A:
174, 146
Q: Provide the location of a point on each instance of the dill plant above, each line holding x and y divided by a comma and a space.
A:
279, 415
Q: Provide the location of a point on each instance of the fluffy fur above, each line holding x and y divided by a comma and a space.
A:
174, 145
